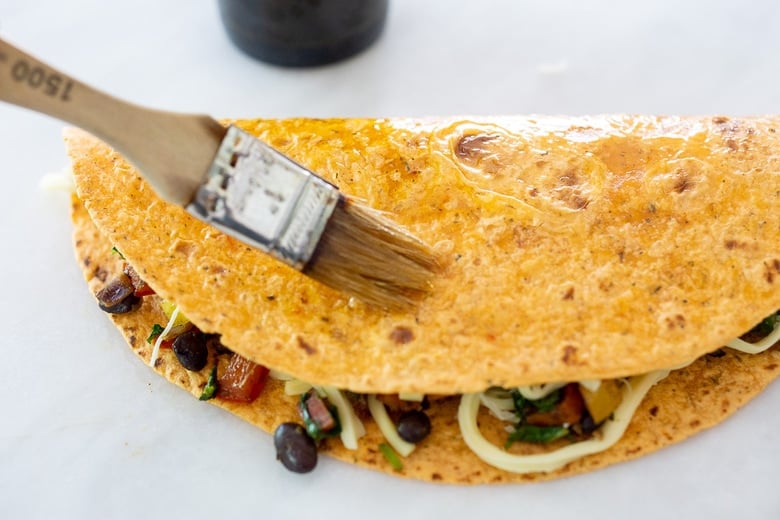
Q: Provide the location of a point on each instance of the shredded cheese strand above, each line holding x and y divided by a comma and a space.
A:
166, 330
296, 387
591, 384
500, 404
351, 427
62, 181
281, 376
543, 462
757, 347
386, 426
534, 392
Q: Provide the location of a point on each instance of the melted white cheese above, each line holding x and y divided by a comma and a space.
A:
591, 385
163, 334
351, 427
279, 375
62, 181
296, 387
534, 392
500, 403
610, 433
759, 346
386, 426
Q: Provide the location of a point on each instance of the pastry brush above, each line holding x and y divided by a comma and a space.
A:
240, 185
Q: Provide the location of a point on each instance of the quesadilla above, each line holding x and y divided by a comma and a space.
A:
591, 271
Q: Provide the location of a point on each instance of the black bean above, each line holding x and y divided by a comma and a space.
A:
214, 342
414, 426
294, 448
117, 297
587, 424
126, 305
191, 350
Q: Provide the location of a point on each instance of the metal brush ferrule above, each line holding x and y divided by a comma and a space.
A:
262, 197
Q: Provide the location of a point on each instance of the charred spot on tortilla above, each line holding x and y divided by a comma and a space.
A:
401, 335
306, 346
735, 133
472, 147
100, 273
771, 268
675, 322
683, 182
570, 356
731, 243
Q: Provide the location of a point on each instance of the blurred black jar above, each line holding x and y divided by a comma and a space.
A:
302, 33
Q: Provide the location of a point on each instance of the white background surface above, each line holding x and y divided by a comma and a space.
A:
89, 432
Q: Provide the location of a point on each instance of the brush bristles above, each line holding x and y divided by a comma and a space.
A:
363, 254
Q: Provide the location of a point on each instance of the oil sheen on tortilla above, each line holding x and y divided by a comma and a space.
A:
571, 248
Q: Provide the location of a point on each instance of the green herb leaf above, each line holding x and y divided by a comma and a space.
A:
312, 428
536, 434
525, 406
548, 402
117, 252
768, 324
521, 403
157, 329
391, 456
210, 390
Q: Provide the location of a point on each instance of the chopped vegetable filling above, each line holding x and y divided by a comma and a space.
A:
321, 420
540, 413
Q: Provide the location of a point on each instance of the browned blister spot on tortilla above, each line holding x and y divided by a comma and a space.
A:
401, 335
771, 269
683, 182
217, 270
306, 346
675, 322
570, 356
184, 247
732, 243
736, 133
100, 273
472, 148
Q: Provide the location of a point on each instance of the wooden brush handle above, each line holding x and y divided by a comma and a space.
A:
173, 151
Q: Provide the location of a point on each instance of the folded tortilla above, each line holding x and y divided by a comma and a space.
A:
571, 249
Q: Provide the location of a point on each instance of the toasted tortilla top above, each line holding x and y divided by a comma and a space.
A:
570, 248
